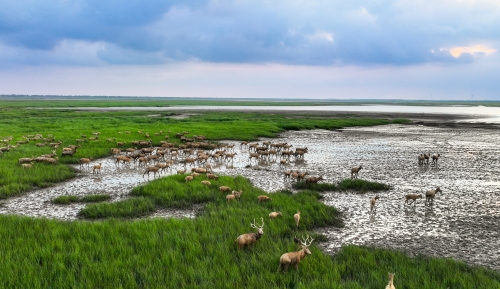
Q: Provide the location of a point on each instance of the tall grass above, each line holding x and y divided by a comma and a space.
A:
201, 252
68, 126
356, 185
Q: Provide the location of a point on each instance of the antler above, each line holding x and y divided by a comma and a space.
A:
256, 226
304, 242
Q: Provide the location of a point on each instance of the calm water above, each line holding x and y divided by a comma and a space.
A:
476, 113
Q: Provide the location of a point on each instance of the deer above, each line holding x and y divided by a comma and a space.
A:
274, 215
313, 180
263, 198
97, 168
355, 171
435, 159
373, 201
390, 285
235, 195
151, 169
294, 258
296, 217
249, 239
85, 162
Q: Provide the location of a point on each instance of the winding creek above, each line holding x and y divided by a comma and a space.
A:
462, 224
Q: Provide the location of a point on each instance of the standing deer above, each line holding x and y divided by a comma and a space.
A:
373, 201
296, 217
390, 285
97, 168
294, 258
250, 238
355, 171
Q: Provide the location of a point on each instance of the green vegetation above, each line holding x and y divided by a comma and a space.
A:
116, 101
68, 199
95, 198
68, 126
201, 252
65, 200
356, 185
120, 252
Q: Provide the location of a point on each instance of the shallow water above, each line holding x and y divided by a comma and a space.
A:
463, 222
473, 113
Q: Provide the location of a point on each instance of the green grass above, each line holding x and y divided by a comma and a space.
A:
201, 253
356, 185
119, 251
69, 125
65, 200
68, 199
95, 198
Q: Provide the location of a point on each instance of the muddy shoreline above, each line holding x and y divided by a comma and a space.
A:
463, 223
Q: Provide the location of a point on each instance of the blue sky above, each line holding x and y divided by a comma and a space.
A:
445, 49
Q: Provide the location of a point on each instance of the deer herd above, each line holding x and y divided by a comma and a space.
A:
200, 155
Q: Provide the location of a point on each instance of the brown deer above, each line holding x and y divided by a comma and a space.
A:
151, 169
274, 215
249, 239
296, 217
235, 195
97, 168
313, 180
263, 198
294, 258
373, 201
355, 171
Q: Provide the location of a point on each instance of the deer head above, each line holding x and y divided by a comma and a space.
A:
259, 229
304, 243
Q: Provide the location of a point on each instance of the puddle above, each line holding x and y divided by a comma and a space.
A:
463, 223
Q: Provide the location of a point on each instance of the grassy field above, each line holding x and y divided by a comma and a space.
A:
201, 252
102, 101
356, 185
119, 251
68, 126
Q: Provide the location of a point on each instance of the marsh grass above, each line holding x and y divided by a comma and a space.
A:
201, 252
68, 199
68, 126
356, 185
185, 253
65, 200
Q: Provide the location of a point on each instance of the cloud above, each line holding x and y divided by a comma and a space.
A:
295, 32
477, 49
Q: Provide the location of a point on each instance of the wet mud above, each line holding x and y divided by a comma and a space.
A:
462, 223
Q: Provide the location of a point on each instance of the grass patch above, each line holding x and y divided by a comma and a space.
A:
95, 198
130, 208
68, 126
68, 199
65, 200
201, 253
357, 185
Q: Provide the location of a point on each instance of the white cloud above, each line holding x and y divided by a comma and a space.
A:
476, 49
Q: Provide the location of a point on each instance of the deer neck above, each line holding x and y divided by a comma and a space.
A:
257, 235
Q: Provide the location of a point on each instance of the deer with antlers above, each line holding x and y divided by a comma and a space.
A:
294, 258
250, 238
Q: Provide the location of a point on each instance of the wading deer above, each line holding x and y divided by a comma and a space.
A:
355, 171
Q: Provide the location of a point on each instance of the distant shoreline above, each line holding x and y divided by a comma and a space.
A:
252, 101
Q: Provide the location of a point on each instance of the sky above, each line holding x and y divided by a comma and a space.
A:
332, 49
